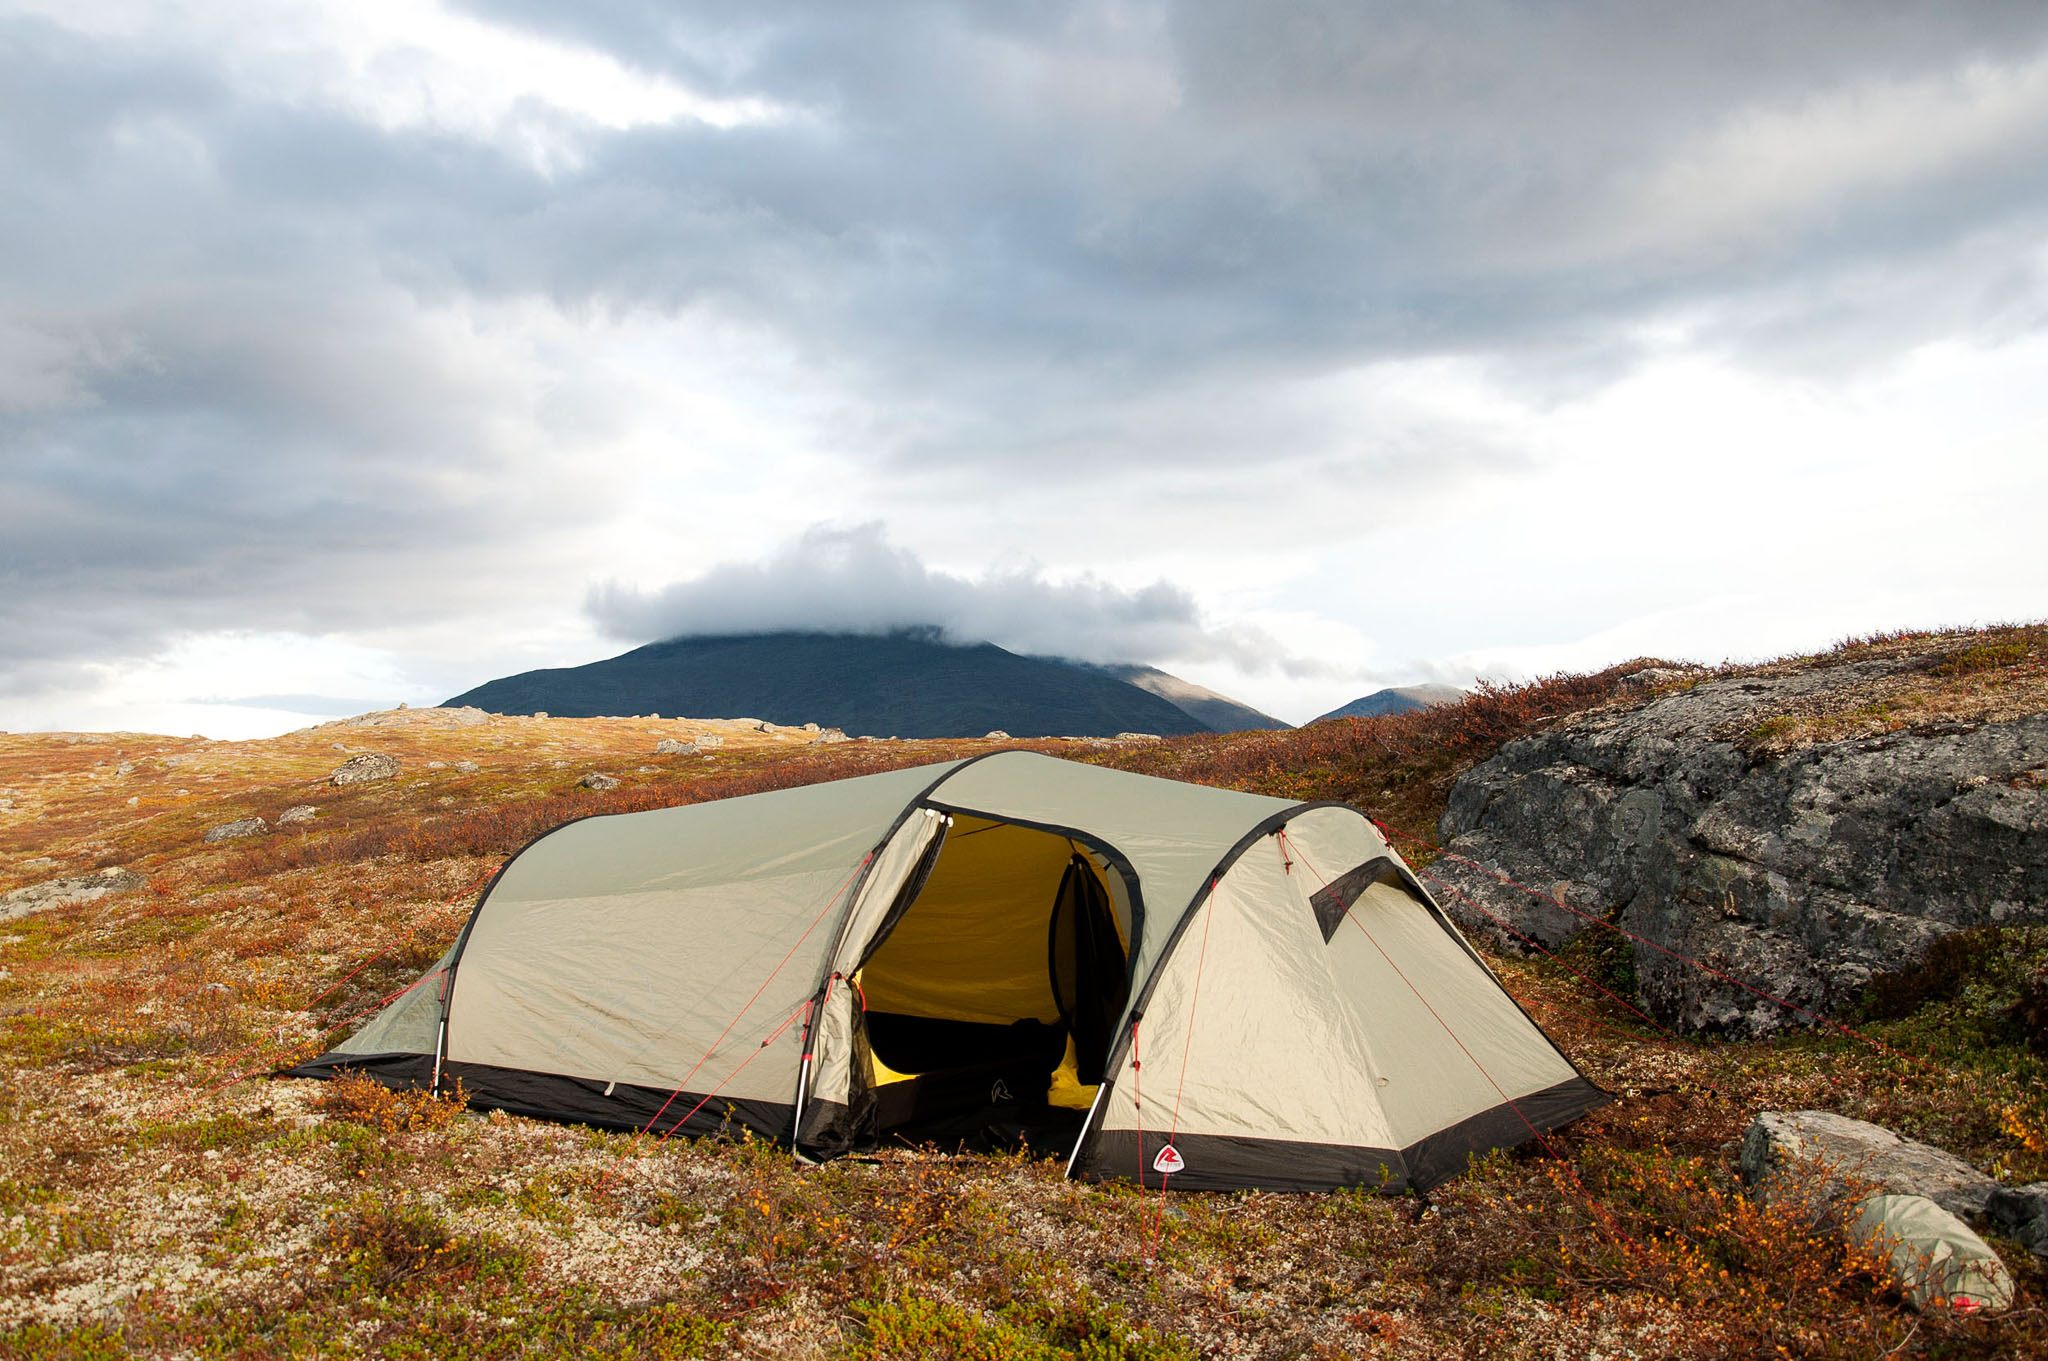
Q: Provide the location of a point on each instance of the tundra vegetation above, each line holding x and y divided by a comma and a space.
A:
161, 1195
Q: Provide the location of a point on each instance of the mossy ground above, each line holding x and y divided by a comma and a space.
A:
160, 1196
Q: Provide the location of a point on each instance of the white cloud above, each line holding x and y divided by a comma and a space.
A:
417, 66
852, 580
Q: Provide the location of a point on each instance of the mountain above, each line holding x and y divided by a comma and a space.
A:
1204, 705
901, 684
1399, 700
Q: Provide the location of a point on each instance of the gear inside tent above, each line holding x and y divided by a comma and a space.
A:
1160, 982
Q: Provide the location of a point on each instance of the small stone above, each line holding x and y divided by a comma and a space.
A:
707, 742
598, 781
467, 767
542, 714
364, 767
1137, 737
810, 727
437, 765
645, 770
240, 827
298, 812
828, 736
668, 746
992, 735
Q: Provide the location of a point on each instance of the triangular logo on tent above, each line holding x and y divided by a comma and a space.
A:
1168, 1162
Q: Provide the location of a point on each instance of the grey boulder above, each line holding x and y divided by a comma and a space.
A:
598, 781
1801, 872
234, 831
365, 767
1853, 1157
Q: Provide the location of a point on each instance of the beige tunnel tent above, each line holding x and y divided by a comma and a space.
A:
1008, 947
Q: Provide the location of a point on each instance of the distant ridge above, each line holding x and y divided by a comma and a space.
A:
906, 684
1399, 699
1208, 708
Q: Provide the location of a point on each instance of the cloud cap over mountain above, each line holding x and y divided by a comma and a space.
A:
853, 580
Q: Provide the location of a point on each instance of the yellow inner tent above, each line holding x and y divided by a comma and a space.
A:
973, 947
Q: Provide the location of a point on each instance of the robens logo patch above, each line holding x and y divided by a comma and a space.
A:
1000, 1092
1168, 1162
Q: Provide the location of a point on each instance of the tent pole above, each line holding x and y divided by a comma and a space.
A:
803, 1083
1101, 1091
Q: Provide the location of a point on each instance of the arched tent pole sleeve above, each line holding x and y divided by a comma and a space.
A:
462, 943
1141, 993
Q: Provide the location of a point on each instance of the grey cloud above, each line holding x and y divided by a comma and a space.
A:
1307, 184
852, 580
1106, 244
217, 409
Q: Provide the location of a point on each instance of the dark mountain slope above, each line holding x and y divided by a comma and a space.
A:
903, 685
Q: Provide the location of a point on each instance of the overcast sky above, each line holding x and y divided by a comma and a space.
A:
360, 352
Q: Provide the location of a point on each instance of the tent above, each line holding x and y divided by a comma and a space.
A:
1182, 985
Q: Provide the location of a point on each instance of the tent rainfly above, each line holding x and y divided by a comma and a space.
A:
1186, 986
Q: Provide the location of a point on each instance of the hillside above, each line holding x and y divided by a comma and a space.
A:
159, 1196
1400, 699
1213, 711
901, 685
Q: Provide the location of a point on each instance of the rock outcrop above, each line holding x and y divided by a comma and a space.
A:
82, 888
234, 831
1801, 871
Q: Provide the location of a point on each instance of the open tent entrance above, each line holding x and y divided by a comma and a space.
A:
991, 996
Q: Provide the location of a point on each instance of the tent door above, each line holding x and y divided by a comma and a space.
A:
1086, 962
971, 990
